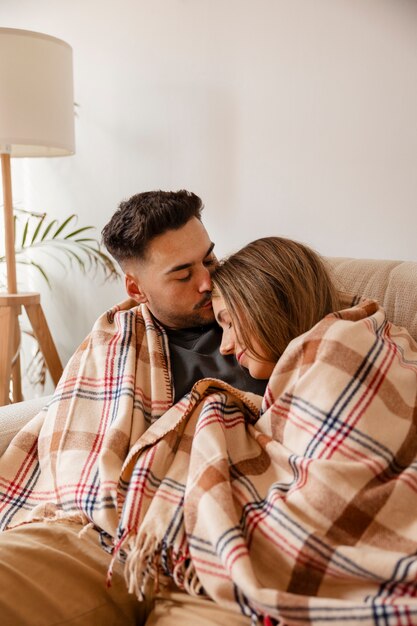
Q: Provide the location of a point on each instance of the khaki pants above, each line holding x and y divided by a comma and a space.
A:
180, 609
49, 576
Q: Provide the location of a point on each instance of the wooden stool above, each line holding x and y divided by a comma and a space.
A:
10, 309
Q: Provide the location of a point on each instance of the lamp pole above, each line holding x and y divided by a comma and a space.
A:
36, 120
11, 343
8, 223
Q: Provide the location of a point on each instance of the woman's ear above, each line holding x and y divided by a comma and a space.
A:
134, 290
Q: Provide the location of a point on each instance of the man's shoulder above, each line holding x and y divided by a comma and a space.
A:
128, 305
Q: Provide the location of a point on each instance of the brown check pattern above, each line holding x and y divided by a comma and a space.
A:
66, 462
302, 510
303, 514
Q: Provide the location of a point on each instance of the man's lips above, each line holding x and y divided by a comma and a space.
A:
205, 304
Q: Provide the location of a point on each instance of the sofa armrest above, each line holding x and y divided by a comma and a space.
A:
14, 416
392, 283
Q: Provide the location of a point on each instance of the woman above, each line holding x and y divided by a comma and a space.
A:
265, 295
301, 510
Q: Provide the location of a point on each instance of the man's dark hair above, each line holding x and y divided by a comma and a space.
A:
145, 216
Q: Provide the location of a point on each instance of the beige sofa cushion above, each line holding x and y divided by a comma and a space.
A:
392, 283
14, 416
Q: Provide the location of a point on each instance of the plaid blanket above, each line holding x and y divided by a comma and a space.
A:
304, 513
66, 462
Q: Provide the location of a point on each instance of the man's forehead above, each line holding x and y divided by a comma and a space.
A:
182, 247
183, 265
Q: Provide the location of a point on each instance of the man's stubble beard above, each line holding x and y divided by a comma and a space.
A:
197, 317
202, 317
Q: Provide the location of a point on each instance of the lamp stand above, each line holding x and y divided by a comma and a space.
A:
11, 307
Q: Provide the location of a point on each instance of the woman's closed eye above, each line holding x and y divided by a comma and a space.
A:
210, 261
224, 320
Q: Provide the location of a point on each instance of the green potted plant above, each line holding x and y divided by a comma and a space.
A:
38, 238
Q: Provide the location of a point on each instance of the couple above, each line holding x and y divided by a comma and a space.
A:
270, 292
225, 495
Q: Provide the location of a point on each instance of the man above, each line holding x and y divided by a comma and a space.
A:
167, 257
51, 576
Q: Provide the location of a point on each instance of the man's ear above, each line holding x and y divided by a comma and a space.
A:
134, 290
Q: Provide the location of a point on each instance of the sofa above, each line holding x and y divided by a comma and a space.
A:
392, 283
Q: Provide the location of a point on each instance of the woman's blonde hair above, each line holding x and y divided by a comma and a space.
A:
274, 289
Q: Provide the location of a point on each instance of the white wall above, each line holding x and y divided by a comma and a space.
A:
290, 117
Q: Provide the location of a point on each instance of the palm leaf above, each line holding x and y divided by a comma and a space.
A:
72, 255
23, 258
78, 231
64, 225
48, 228
39, 268
25, 232
63, 243
37, 229
42, 271
66, 245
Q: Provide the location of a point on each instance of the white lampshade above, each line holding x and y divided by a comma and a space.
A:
36, 95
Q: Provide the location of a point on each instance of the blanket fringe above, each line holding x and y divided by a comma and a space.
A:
54, 517
147, 558
84, 529
142, 563
185, 576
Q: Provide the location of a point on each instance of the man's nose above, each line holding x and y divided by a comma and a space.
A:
204, 283
227, 345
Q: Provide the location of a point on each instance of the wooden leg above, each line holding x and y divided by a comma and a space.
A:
16, 373
44, 337
10, 307
8, 321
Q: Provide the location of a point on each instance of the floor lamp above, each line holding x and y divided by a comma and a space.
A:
36, 120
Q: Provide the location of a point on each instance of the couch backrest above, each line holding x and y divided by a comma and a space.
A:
392, 283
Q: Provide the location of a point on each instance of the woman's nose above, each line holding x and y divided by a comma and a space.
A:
227, 345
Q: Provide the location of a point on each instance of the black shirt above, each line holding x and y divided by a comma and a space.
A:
195, 354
